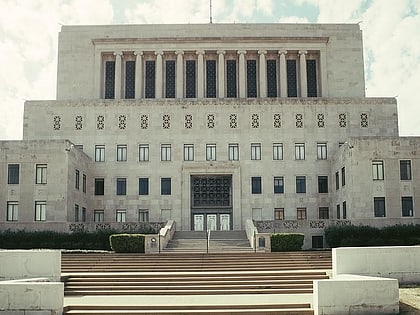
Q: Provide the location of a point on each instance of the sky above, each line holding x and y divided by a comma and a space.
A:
29, 38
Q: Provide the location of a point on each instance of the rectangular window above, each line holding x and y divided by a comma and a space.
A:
165, 152
338, 212
109, 79
256, 185
277, 151
210, 152
170, 79
344, 210
299, 151
407, 206
143, 186
121, 186
233, 149
40, 210
98, 216
231, 78
278, 185
379, 207
77, 179
311, 78
76, 213
278, 213
255, 151
99, 153
210, 78
99, 186
149, 82
321, 151
165, 186
323, 184
272, 78
143, 215
343, 176
190, 81
378, 170
13, 174
41, 174
84, 183
12, 211
323, 213
121, 153
120, 215
83, 214
188, 152
251, 77
405, 170
301, 213
130, 79
291, 78
337, 181
300, 184
143, 152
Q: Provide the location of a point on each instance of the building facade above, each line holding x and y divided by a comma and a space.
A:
210, 125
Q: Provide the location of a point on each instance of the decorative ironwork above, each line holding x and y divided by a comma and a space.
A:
100, 122
79, 122
291, 224
291, 78
342, 120
277, 121
210, 120
211, 191
56, 122
319, 224
264, 226
109, 79
166, 121
251, 77
122, 122
299, 120
144, 121
150, 79
77, 227
343, 222
210, 78
272, 78
364, 122
190, 79
102, 226
233, 121
321, 121
231, 78
130, 78
311, 78
188, 121
255, 120
170, 79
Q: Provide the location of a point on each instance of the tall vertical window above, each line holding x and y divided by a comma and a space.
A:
120, 215
233, 153
165, 152
149, 83
299, 151
251, 77
210, 152
143, 152
40, 210
405, 170
321, 151
76, 213
130, 78
83, 214
291, 78
121, 186
170, 78
210, 78
407, 206
255, 151
98, 216
99, 186
256, 185
12, 211
300, 184
301, 213
13, 174
278, 185
231, 78
379, 206
277, 151
99, 153
323, 184
165, 186
378, 170
190, 81
338, 212
272, 78
41, 174
337, 181
109, 79
344, 210
278, 213
77, 179
121, 152
84, 183
311, 78
143, 215
143, 186
343, 176
323, 213
188, 152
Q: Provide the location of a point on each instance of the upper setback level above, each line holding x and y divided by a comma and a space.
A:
210, 61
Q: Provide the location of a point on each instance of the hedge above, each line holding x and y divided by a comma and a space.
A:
283, 242
351, 235
127, 243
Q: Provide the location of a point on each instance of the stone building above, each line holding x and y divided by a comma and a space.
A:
210, 125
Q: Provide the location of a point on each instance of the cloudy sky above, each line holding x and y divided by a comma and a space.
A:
29, 31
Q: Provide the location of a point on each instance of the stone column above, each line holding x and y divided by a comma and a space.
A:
139, 74
159, 74
118, 61
283, 73
200, 73
179, 74
221, 73
303, 79
263, 73
323, 86
242, 76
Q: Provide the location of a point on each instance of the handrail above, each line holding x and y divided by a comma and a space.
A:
208, 240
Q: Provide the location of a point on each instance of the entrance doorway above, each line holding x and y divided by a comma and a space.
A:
198, 222
224, 222
211, 222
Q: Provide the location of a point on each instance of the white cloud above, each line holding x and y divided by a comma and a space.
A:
293, 19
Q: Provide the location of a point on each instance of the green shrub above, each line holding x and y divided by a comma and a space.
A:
283, 242
127, 243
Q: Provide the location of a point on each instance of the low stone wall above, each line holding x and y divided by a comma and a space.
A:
154, 243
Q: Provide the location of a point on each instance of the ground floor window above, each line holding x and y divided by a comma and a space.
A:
98, 216
379, 206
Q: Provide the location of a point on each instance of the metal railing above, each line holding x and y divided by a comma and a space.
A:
208, 240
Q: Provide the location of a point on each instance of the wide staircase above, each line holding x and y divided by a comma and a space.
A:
192, 283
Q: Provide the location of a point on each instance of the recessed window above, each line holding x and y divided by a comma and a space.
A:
98, 216
121, 153
323, 213
407, 206
338, 212
40, 210
77, 179
299, 151
143, 215
323, 184
378, 170
99, 186
256, 185
120, 215
210, 152
143, 152
379, 206
143, 186
278, 151
255, 151
405, 170
165, 152
12, 211
165, 186
99, 153
301, 213
337, 181
343, 176
344, 210
321, 151
83, 214
278, 213
13, 174
278, 185
188, 152
41, 174
121, 186
76, 213
233, 149
300, 184
84, 183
